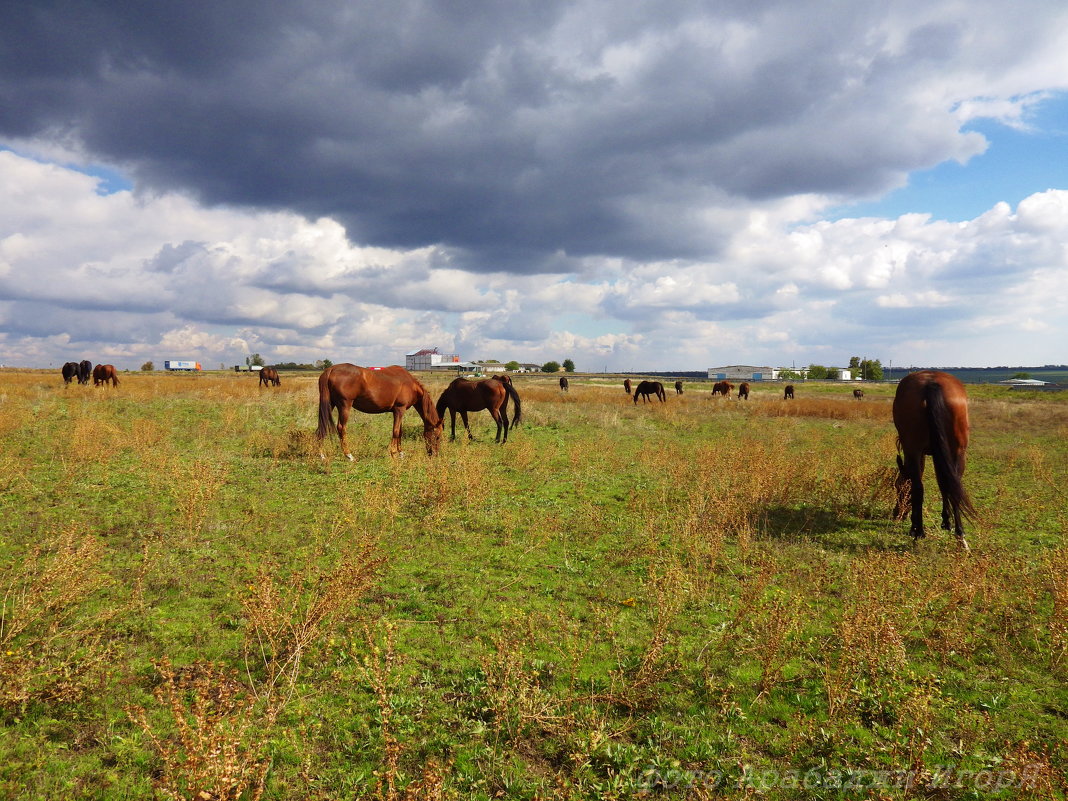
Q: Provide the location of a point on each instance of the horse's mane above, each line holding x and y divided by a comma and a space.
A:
426, 408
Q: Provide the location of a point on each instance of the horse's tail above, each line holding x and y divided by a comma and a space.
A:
326, 409
948, 470
115, 378
515, 400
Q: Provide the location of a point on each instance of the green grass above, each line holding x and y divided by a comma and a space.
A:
694, 599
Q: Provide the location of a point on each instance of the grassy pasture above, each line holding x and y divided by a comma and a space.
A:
698, 599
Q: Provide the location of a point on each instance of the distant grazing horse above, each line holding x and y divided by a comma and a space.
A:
722, 388
743, 391
858, 394
85, 371
465, 396
931, 417
563, 385
678, 387
269, 376
647, 388
103, 373
788, 393
375, 391
70, 372
626, 385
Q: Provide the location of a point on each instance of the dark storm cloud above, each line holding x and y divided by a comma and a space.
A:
516, 135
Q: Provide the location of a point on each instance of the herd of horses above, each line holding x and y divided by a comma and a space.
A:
930, 413
82, 371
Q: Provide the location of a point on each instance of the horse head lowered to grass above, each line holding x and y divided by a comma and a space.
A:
375, 391
492, 394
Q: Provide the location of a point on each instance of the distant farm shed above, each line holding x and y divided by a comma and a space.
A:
743, 372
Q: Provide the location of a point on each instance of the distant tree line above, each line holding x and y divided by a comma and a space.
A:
555, 367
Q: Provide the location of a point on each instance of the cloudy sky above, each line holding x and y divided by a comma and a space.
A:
633, 185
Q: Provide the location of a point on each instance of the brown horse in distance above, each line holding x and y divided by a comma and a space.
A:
564, 386
103, 373
375, 391
788, 393
858, 394
70, 372
492, 394
626, 385
647, 388
722, 388
269, 376
931, 417
743, 391
678, 387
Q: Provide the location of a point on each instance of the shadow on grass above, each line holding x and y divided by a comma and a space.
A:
833, 530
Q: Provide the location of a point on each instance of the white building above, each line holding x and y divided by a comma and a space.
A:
743, 372
430, 359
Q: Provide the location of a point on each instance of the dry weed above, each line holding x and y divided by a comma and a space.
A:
215, 747
50, 646
379, 669
285, 617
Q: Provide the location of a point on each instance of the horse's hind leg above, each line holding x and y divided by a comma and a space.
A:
342, 420
395, 443
915, 474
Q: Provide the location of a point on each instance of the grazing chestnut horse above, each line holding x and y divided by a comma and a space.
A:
85, 371
70, 372
722, 388
563, 385
465, 396
788, 393
269, 376
103, 373
858, 394
678, 387
931, 417
647, 388
626, 385
375, 391
743, 391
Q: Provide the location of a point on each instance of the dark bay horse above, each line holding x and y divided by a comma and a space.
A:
70, 372
564, 385
626, 385
492, 394
647, 388
858, 394
722, 388
931, 417
375, 391
743, 391
103, 373
269, 376
678, 387
85, 371
788, 393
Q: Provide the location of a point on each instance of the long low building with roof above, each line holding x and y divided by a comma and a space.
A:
743, 372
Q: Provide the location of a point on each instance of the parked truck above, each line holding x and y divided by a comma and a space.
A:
181, 365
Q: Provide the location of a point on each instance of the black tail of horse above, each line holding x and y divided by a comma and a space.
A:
515, 399
326, 409
948, 471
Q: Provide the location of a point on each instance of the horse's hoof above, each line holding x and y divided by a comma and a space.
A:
963, 544
349, 457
